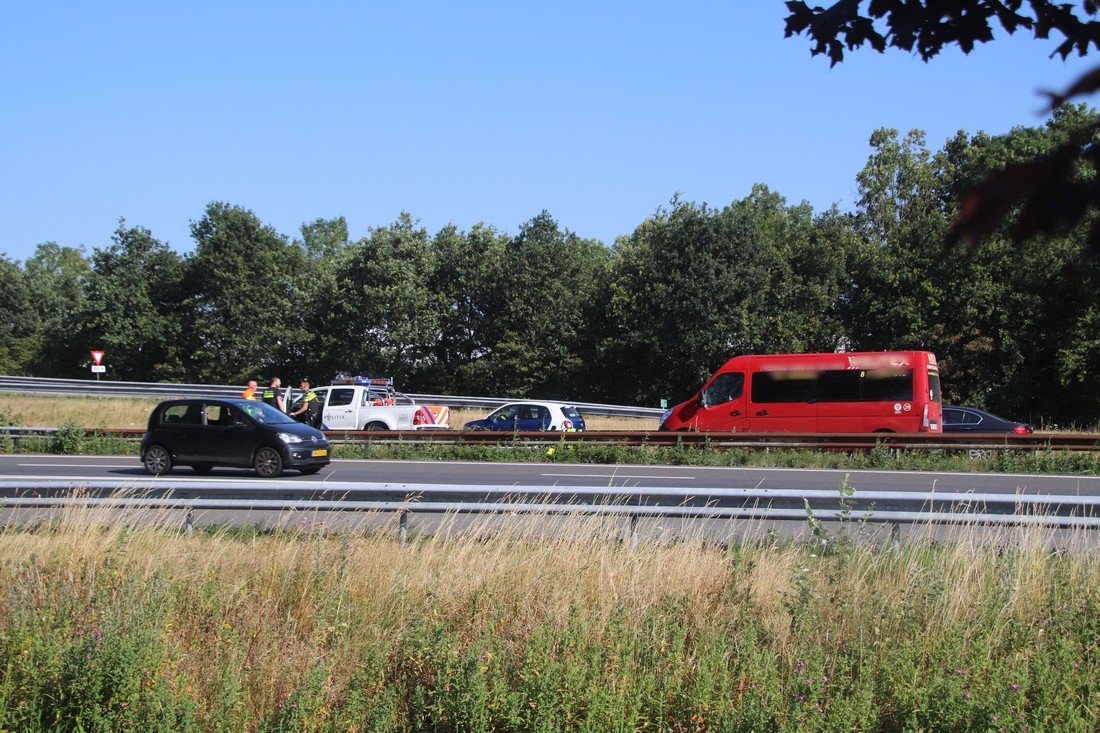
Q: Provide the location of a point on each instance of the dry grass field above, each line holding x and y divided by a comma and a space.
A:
122, 412
125, 626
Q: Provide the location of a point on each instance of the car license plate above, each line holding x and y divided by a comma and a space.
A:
320, 452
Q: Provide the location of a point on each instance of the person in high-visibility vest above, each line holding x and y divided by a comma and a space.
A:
271, 395
250, 391
309, 409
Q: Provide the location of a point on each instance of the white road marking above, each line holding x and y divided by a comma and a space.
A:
618, 475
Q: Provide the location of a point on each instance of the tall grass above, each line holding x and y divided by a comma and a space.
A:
537, 624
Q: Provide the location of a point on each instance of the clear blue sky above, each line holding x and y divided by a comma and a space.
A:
456, 112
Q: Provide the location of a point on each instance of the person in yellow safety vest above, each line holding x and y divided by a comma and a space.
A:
309, 409
271, 395
250, 391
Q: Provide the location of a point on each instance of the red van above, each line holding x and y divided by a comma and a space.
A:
858, 392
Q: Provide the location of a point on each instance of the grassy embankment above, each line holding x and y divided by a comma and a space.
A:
75, 414
107, 627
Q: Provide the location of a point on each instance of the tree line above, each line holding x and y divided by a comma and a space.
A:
546, 313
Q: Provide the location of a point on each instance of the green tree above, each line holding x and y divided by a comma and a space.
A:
244, 294
18, 320
325, 248
468, 267
895, 289
693, 286
381, 318
1049, 192
134, 307
56, 280
540, 308
1017, 323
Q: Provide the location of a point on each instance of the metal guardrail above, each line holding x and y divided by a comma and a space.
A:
897, 508
151, 389
852, 442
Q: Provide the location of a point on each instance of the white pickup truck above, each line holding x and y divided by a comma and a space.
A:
374, 405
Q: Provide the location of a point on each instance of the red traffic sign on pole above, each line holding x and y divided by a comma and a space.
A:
97, 356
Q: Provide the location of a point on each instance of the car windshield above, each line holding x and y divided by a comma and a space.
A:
264, 413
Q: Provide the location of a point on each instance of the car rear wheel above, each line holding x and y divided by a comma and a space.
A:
157, 460
268, 463
375, 426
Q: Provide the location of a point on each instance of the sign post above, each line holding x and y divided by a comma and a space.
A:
97, 362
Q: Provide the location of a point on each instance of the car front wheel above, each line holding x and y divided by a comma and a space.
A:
268, 463
157, 460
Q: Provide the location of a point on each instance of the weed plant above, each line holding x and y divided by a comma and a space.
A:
538, 624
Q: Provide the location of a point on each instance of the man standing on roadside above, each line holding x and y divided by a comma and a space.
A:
250, 391
309, 409
271, 395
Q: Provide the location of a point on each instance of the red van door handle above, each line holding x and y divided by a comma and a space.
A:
761, 413
735, 412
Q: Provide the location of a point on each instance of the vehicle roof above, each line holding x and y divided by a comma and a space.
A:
982, 411
834, 360
536, 402
207, 400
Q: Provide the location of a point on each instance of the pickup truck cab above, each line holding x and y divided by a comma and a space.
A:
372, 404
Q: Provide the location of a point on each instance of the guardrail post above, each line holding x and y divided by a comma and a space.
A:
403, 527
630, 536
189, 523
895, 536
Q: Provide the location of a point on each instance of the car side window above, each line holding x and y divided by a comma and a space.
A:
544, 413
724, 388
218, 416
505, 413
340, 397
952, 417
970, 418
180, 414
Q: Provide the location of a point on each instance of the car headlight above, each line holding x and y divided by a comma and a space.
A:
289, 438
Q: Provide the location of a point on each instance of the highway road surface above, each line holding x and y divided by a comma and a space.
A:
85, 468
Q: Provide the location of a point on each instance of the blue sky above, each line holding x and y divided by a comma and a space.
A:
456, 112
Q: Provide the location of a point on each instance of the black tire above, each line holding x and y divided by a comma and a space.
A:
268, 463
157, 460
201, 469
309, 470
372, 426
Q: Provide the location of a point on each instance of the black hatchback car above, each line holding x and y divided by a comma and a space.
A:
203, 433
974, 420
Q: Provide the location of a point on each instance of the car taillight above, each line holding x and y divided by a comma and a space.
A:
566, 425
924, 419
1021, 430
417, 419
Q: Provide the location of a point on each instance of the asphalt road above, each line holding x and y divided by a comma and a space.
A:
84, 468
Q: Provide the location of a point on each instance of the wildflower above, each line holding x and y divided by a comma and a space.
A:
1015, 687
824, 678
961, 672
550, 452
966, 695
